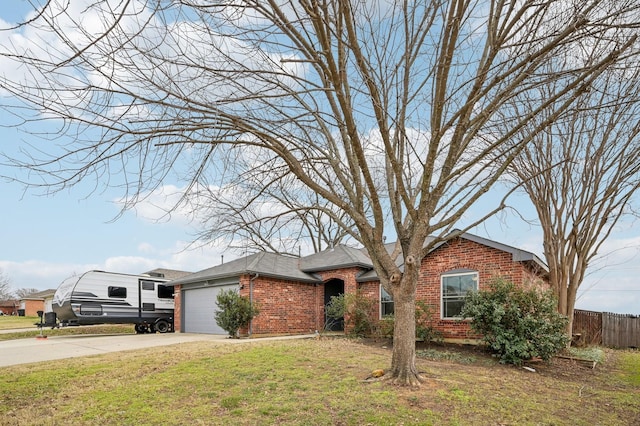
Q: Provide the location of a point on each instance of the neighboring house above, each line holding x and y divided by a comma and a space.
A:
9, 307
291, 293
39, 301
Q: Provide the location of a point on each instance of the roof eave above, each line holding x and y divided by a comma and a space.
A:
309, 280
334, 267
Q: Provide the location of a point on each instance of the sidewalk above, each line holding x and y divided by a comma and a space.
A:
19, 330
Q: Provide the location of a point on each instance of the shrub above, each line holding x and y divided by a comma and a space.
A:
385, 328
362, 317
515, 323
234, 312
359, 313
334, 311
424, 323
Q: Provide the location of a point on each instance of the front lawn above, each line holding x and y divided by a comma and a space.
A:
8, 322
319, 382
71, 330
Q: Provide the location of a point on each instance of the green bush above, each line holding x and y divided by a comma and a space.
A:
362, 317
334, 311
234, 312
359, 313
515, 323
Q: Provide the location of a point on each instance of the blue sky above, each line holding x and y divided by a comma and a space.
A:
46, 238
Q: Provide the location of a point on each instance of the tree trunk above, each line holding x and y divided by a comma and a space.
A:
566, 293
403, 362
570, 327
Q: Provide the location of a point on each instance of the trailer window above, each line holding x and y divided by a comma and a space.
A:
165, 291
147, 285
117, 292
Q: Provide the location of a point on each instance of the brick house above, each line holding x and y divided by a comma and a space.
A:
292, 292
39, 301
9, 307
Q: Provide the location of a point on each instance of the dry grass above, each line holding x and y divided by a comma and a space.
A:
8, 322
318, 382
69, 331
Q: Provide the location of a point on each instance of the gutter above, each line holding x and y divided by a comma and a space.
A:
251, 280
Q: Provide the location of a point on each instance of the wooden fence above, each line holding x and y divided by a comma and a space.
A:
607, 329
587, 327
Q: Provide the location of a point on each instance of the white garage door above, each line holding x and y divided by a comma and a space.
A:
199, 307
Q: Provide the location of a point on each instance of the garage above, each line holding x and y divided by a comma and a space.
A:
199, 307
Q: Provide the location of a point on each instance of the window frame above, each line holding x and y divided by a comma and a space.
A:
147, 285
117, 292
450, 274
165, 292
388, 302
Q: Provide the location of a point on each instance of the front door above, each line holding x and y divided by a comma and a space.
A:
333, 288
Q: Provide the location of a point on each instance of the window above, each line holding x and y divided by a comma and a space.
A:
455, 286
386, 303
117, 292
147, 285
165, 291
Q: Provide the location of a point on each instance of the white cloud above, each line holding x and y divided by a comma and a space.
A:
163, 204
613, 291
130, 264
619, 249
146, 248
41, 274
182, 256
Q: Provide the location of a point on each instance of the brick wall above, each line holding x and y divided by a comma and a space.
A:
348, 277
490, 263
286, 307
31, 307
289, 307
460, 253
177, 311
371, 289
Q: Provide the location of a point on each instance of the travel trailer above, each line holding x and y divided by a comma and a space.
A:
98, 297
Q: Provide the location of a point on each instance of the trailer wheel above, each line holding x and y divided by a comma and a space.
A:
141, 328
162, 326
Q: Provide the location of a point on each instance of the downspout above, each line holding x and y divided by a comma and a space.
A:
251, 301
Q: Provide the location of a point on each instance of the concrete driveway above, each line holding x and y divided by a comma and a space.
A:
25, 351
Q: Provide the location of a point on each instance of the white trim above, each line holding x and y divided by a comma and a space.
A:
380, 300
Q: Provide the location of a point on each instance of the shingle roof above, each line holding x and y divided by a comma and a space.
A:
338, 257
263, 263
40, 294
517, 255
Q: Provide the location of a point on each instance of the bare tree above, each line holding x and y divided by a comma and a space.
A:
5, 287
283, 218
24, 292
391, 112
582, 174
